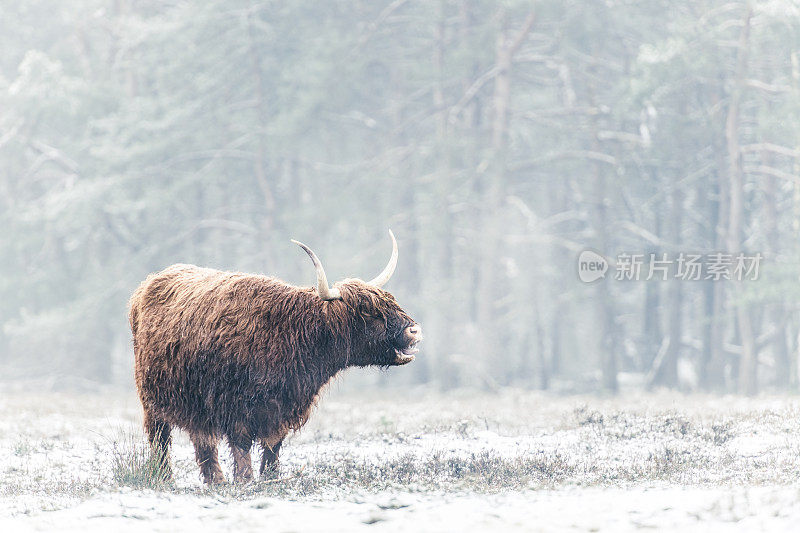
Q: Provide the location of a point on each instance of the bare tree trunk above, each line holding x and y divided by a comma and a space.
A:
543, 372
495, 177
795, 352
715, 369
776, 311
438, 250
667, 373
707, 352
651, 326
604, 307
559, 192
748, 367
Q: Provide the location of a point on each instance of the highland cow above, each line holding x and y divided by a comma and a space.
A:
244, 357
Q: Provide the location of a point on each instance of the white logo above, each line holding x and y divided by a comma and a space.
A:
591, 266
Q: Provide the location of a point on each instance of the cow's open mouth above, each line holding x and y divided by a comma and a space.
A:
405, 355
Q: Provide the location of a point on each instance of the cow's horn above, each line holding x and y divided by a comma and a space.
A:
325, 292
381, 279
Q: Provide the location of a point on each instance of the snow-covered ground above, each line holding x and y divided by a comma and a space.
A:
416, 460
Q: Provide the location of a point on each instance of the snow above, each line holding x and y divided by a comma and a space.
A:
570, 508
516, 461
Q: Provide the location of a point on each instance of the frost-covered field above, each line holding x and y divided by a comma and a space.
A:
461, 461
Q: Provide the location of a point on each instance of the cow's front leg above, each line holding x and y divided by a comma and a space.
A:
205, 449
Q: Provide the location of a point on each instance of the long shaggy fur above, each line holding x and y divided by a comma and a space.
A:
242, 356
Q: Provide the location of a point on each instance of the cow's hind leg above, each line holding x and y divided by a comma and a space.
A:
205, 451
269, 458
159, 434
242, 464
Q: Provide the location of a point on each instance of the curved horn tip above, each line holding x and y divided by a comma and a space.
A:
384, 276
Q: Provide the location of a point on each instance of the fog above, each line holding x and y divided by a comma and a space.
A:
597, 209
498, 141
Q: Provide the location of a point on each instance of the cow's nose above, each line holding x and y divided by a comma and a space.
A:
414, 331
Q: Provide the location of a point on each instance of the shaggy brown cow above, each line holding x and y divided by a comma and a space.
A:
242, 356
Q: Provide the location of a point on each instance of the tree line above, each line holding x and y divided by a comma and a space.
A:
497, 140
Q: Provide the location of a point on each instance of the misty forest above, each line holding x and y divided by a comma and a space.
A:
498, 141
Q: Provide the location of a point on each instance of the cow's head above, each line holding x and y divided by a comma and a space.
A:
381, 332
